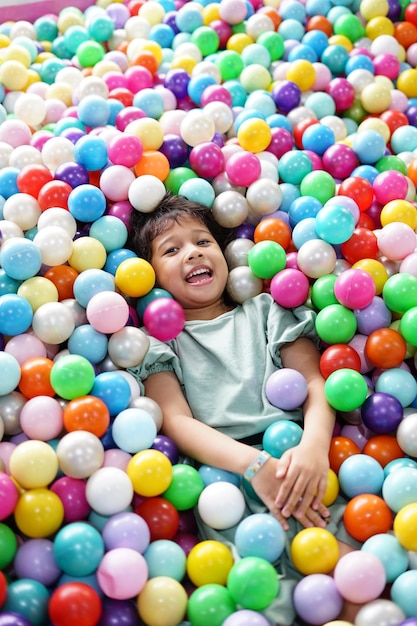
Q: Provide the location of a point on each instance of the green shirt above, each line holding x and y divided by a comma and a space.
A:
223, 364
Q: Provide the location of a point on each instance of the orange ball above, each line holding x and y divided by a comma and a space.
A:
383, 448
147, 59
63, 277
319, 22
340, 449
154, 163
35, 377
412, 171
367, 515
273, 15
405, 33
273, 229
87, 413
385, 348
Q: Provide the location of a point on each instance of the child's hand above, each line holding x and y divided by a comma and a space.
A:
266, 484
303, 471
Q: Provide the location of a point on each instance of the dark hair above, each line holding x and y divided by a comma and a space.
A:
146, 226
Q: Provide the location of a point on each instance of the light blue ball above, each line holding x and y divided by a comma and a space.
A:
260, 535
321, 104
89, 343
188, 19
87, 203
90, 282
396, 464
303, 231
317, 40
360, 473
318, 138
134, 430
369, 146
398, 383
197, 85
369, 172
150, 102
403, 139
113, 389
335, 224
91, 152
78, 549
291, 29
20, 258
390, 552
290, 193
403, 592
261, 102
110, 231
27, 598
400, 488
256, 53
211, 474
302, 51
198, 190
8, 181
115, 257
280, 436
303, 207
16, 314
165, 558
9, 373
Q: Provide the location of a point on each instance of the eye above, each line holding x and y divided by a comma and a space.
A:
170, 250
203, 242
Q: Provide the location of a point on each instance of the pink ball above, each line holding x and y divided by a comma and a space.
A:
138, 78
24, 347
207, 159
360, 576
42, 418
71, 492
396, 241
125, 150
290, 287
387, 65
164, 318
243, 168
339, 160
342, 92
115, 182
122, 573
390, 185
354, 288
9, 496
107, 312
216, 93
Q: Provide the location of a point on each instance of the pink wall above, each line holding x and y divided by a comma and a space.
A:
30, 10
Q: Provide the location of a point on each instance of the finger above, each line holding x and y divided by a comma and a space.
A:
311, 517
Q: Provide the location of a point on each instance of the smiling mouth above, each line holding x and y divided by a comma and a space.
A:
199, 276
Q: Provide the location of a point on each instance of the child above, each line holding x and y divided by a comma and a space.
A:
210, 380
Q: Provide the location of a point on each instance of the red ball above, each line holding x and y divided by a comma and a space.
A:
363, 244
367, 515
3, 588
161, 517
74, 603
340, 449
32, 178
359, 189
339, 356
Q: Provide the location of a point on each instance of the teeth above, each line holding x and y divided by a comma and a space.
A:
197, 272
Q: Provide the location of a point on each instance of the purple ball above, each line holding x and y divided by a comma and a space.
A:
286, 95
317, 599
175, 149
411, 114
375, 315
381, 412
177, 81
118, 613
245, 231
35, 559
411, 621
126, 530
166, 446
186, 541
246, 617
13, 619
72, 173
286, 389
394, 14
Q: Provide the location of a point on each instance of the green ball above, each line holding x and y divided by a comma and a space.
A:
322, 291
185, 487
253, 583
345, 390
8, 546
72, 376
210, 605
178, 176
391, 162
350, 26
336, 324
319, 185
400, 292
355, 112
230, 64
206, 39
267, 258
274, 43
89, 53
408, 326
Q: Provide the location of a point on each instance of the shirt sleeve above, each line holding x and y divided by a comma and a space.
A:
286, 325
159, 358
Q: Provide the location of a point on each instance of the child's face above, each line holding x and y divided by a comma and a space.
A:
189, 263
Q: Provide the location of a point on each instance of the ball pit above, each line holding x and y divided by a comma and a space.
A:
296, 122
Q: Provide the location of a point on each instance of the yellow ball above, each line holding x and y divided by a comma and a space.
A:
37, 291
405, 527
60, 91
209, 562
135, 277
183, 62
148, 130
152, 12
18, 53
150, 472
238, 42
376, 269
314, 551
407, 83
302, 73
373, 8
67, 19
33, 77
341, 40
375, 98
399, 211
13, 75
379, 26
4, 41
211, 13
39, 513
254, 135
102, 67
374, 123
87, 253
162, 602
33, 464
332, 488
255, 77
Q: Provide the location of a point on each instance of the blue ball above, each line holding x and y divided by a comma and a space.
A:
20, 258
303, 231
9, 373
260, 535
90, 282
281, 436
318, 138
115, 257
403, 592
359, 62
335, 223
78, 549
211, 474
113, 389
360, 473
369, 172
89, 343
290, 193
402, 462
335, 57
303, 207
8, 184
150, 102
197, 85
162, 34
368, 145
155, 292
16, 314
390, 552
110, 231
91, 152
317, 40
29, 599
188, 19
400, 488
165, 558
398, 383
198, 190
302, 51
87, 203
133, 430
7, 284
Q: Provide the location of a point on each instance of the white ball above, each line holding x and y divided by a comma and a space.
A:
146, 192
221, 505
109, 491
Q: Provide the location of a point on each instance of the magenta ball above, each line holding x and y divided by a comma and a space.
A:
355, 288
71, 492
317, 599
243, 168
164, 318
290, 287
207, 159
9, 496
339, 160
286, 389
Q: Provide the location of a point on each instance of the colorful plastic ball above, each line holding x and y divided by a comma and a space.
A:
286, 389
71, 492
122, 573
107, 312
164, 318
35, 559
398, 382
221, 505
316, 258
207, 159
72, 376
166, 558
317, 598
35, 377
243, 168
404, 526
339, 356
162, 601
406, 435
392, 555
289, 288
127, 347
367, 515
314, 551
354, 289
80, 454
133, 430
362, 244
399, 488
260, 535
359, 474
335, 224
150, 472
29, 599
253, 583
161, 517
16, 314
20, 258
400, 594
210, 604
8, 542
109, 491
126, 530
359, 576
336, 324
280, 436
113, 389
9, 495
33, 464
39, 513
135, 277
185, 487
346, 389
75, 602
209, 562
382, 413
294, 166
86, 413
266, 258
78, 549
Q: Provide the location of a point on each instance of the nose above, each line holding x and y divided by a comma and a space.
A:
193, 252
